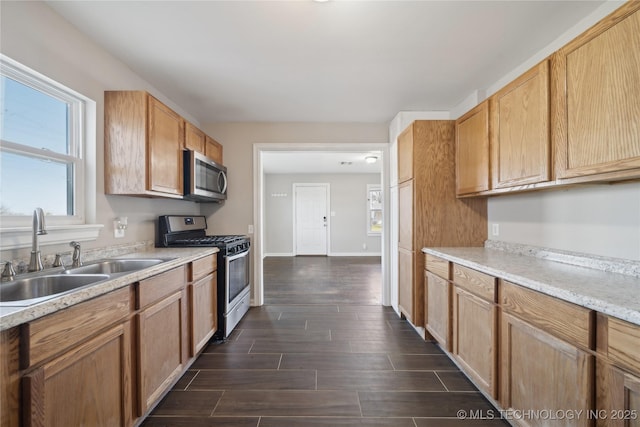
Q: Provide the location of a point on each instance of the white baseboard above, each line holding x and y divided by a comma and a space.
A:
355, 254
290, 254
276, 254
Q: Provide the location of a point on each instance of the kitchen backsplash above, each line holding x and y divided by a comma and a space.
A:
88, 255
611, 265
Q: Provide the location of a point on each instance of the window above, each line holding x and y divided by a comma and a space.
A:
42, 141
374, 210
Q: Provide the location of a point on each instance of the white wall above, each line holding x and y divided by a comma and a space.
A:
348, 199
238, 139
600, 219
37, 37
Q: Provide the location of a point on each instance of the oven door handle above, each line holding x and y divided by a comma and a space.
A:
236, 256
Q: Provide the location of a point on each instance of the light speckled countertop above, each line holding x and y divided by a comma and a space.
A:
614, 294
13, 316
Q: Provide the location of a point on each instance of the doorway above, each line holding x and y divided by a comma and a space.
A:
310, 224
261, 151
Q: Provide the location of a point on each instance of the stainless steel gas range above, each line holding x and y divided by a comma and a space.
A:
234, 282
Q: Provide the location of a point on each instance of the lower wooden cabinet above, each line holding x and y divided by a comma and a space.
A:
475, 337
543, 361
89, 385
617, 396
204, 312
107, 361
10, 377
542, 372
617, 373
405, 284
438, 303
161, 347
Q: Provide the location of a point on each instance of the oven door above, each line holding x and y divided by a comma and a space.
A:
237, 278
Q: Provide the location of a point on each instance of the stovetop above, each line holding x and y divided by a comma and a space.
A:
206, 240
190, 231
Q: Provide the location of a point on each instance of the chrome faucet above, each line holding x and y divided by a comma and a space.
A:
8, 272
39, 228
75, 258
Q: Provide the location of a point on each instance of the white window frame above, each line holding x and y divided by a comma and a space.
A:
15, 231
370, 188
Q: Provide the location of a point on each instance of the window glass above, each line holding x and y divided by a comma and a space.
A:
33, 118
50, 185
41, 146
374, 209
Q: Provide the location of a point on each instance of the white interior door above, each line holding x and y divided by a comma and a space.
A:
311, 218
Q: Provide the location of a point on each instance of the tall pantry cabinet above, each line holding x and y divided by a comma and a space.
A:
429, 214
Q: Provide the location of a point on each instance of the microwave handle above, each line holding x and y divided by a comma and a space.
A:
224, 178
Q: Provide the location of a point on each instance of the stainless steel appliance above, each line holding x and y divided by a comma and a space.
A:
234, 279
204, 179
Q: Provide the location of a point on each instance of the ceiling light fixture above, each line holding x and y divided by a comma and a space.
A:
371, 159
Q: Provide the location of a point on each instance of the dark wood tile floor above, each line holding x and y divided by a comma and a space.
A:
294, 364
322, 280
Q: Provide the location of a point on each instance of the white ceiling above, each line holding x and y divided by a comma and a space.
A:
320, 162
338, 61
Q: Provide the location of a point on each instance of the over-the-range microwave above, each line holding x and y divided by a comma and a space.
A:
204, 179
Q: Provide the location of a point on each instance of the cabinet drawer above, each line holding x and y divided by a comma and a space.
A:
203, 267
160, 286
53, 334
624, 343
437, 266
475, 282
565, 320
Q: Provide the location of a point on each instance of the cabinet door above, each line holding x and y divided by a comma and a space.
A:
88, 386
213, 150
617, 396
10, 377
520, 140
162, 350
405, 215
405, 155
475, 338
203, 311
405, 283
541, 372
438, 306
194, 138
597, 114
166, 139
472, 151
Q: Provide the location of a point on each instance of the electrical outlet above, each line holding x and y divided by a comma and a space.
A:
250, 229
495, 229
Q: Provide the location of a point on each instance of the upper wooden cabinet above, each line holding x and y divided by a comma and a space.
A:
472, 151
596, 87
197, 140
520, 140
213, 150
143, 146
194, 138
405, 155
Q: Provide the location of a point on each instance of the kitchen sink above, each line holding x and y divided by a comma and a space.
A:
115, 266
38, 287
27, 291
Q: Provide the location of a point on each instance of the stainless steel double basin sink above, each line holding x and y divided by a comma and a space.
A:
37, 287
